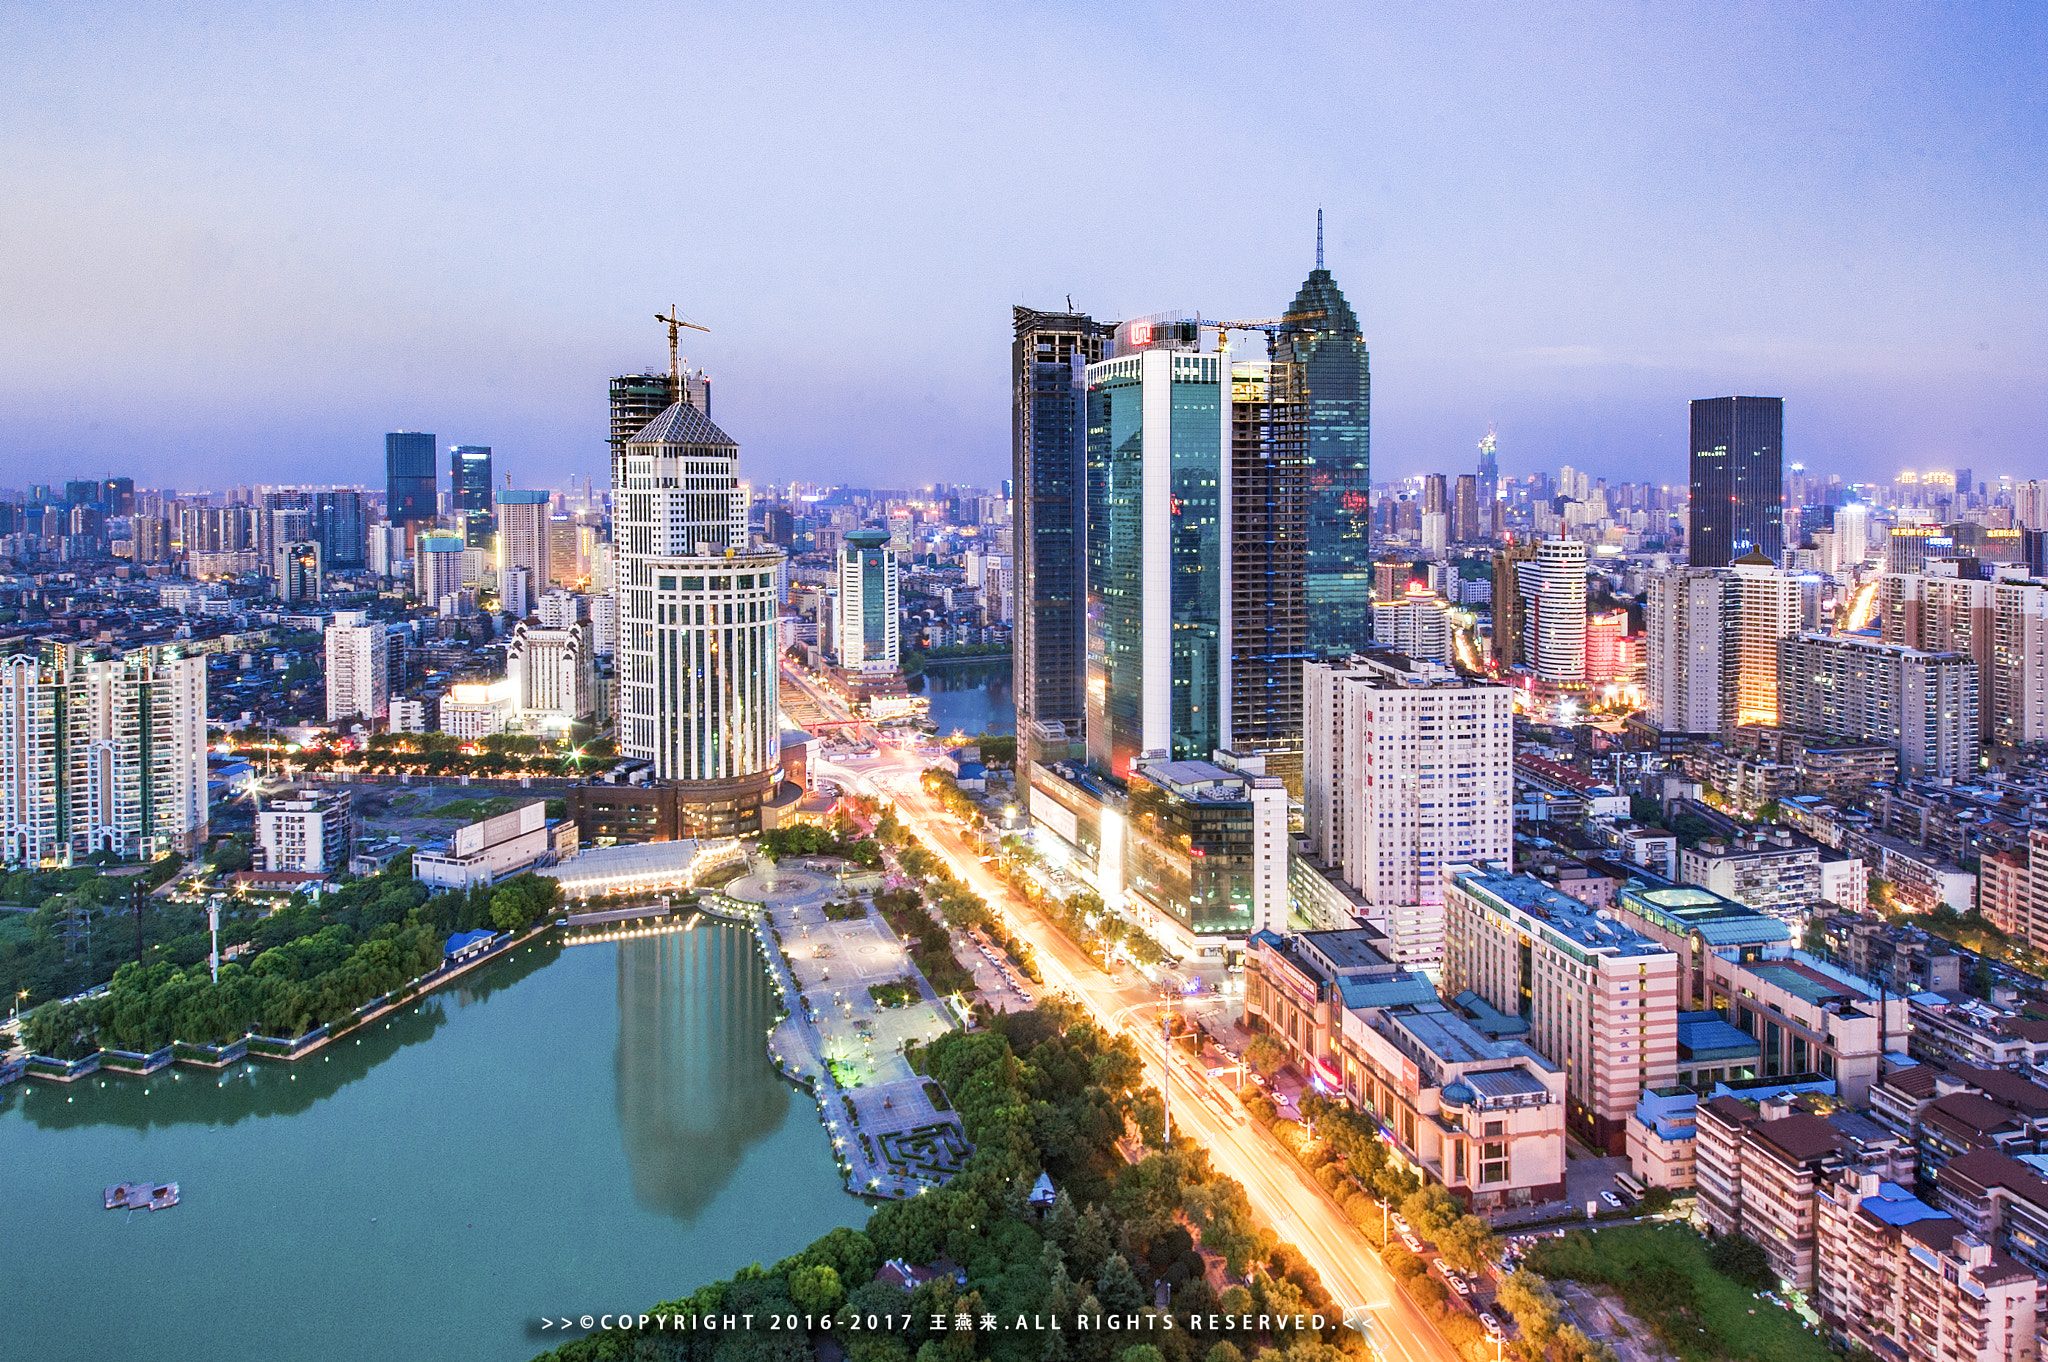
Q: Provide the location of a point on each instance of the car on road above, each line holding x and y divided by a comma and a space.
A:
1611, 1199
1458, 1284
1414, 1244
1401, 1222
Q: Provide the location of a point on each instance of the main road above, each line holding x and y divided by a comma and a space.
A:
1279, 1188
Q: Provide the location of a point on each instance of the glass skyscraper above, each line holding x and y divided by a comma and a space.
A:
1738, 480
469, 478
1157, 431
409, 483
1323, 339
1048, 360
339, 527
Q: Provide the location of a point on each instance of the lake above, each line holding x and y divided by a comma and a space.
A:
567, 1131
971, 697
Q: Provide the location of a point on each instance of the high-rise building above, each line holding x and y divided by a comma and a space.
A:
697, 655
1321, 335
1206, 853
1408, 769
868, 640
312, 831
637, 399
1601, 1000
1489, 477
1436, 493
1852, 527
437, 568
553, 671
341, 527
117, 496
1762, 606
469, 478
1510, 614
410, 496
1854, 687
2019, 652
1467, 528
295, 576
1268, 563
1417, 624
102, 755
1684, 628
523, 536
358, 668
1048, 460
1553, 592
1738, 475
1158, 420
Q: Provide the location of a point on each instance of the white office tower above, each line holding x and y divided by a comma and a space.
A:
1417, 623
1852, 531
515, 592
867, 618
1553, 588
1436, 534
358, 677
604, 624
101, 756
2019, 686
697, 657
523, 537
558, 609
554, 673
1682, 631
1763, 607
1407, 768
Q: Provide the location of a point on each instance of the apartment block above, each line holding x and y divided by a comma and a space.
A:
1860, 687
1772, 872
1408, 769
1760, 1169
1901, 1279
1600, 999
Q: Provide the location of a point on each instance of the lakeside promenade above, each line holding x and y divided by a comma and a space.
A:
840, 1043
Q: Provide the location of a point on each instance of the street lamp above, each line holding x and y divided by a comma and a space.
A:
14, 1015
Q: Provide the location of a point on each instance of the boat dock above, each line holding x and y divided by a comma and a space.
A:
142, 1196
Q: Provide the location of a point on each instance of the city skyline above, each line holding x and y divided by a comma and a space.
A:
1518, 257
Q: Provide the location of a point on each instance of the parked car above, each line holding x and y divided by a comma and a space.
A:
1401, 1222
1491, 1324
1611, 1199
1458, 1284
1414, 1244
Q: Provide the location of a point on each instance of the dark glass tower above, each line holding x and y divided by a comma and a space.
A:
1322, 339
469, 478
1738, 480
1048, 446
339, 528
409, 482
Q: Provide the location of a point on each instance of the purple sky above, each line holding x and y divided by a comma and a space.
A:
241, 242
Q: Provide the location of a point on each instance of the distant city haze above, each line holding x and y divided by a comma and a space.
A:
244, 242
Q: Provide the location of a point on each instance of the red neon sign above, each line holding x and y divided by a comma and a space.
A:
1141, 333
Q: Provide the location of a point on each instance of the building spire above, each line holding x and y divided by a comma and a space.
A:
1319, 238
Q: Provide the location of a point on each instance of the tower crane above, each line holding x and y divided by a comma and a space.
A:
1269, 325
675, 326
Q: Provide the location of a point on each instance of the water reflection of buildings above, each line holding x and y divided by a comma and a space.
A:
695, 1090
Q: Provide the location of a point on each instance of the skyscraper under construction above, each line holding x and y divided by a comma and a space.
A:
1268, 556
637, 399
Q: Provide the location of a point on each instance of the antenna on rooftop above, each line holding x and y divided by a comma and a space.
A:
1319, 238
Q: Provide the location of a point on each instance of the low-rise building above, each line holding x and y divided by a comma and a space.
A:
306, 830
2001, 1200
1295, 986
1772, 872
1661, 1132
1809, 1016
1693, 924
497, 848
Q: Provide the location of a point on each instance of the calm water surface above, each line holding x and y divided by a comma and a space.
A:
972, 697
572, 1130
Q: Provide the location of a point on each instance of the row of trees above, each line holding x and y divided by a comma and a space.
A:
1049, 1091
313, 963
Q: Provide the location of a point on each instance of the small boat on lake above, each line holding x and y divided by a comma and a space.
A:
142, 1196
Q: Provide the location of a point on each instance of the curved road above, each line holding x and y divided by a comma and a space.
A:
1280, 1190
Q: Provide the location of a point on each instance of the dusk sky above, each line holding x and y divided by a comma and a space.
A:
241, 242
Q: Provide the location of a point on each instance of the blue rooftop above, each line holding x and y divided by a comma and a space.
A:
1489, 1019
463, 940
1707, 1035
1412, 988
1564, 921
1894, 1205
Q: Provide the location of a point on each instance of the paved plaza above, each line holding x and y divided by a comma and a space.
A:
879, 1113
